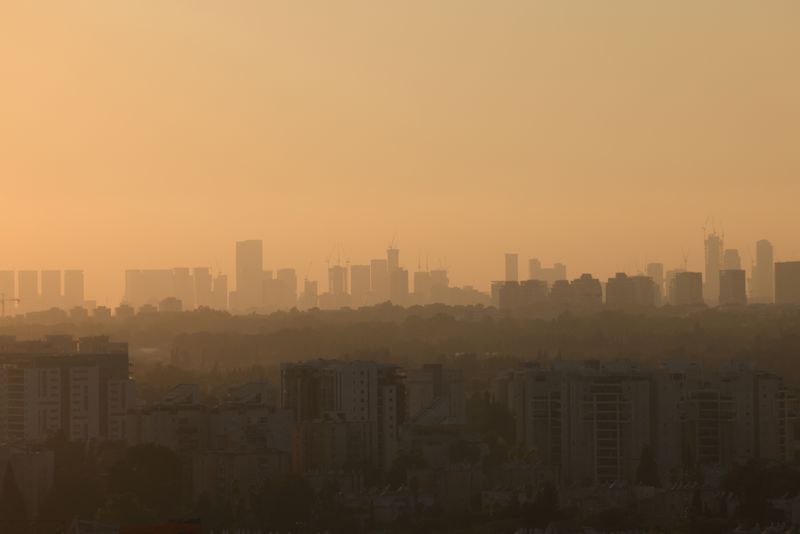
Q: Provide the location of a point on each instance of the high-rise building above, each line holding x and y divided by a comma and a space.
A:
787, 282
624, 292
8, 292
686, 289
762, 282
364, 392
219, 298
337, 280
183, 287
731, 261
379, 280
392, 259
422, 287
28, 290
548, 274
74, 288
309, 298
249, 275
713, 255
287, 281
203, 289
398, 286
586, 292
656, 272
512, 267
81, 388
435, 396
732, 289
360, 276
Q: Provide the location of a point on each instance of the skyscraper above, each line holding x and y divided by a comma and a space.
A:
713, 250
787, 282
28, 290
392, 259
732, 287
359, 284
8, 291
731, 260
398, 286
512, 267
686, 289
337, 280
219, 299
379, 280
762, 282
249, 274
656, 272
202, 286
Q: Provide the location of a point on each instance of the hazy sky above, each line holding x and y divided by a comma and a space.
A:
155, 133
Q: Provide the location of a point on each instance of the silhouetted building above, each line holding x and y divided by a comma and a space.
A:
731, 261
124, 311
74, 288
183, 284
219, 296
512, 267
549, 274
422, 287
732, 290
8, 292
310, 294
392, 259
686, 289
521, 295
762, 282
28, 290
713, 256
586, 292
656, 272
626, 293
360, 276
379, 280
337, 280
249, 275
203, 286
398, 286
787, 282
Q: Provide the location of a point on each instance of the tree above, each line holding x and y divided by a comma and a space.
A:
545, 507
151, 476
284, 503
13, 515
647, 470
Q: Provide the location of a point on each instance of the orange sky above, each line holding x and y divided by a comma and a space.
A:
601, 134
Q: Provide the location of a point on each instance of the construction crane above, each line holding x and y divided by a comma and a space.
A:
3, 301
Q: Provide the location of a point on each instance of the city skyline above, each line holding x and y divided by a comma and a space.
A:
151, 136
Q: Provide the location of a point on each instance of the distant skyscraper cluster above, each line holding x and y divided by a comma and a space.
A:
723, 283
33, 291
256, 289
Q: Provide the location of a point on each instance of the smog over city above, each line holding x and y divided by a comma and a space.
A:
460, 266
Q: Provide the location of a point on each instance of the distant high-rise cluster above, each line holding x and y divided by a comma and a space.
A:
37, 291
256, 289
